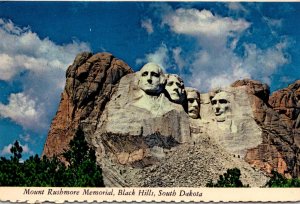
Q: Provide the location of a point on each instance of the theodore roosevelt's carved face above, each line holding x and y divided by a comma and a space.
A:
151, 78
220, 103
193, 98
175, 88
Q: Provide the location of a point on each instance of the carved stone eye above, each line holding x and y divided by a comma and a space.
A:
223, 101
155, 74
179, 85
213, 102
144, 73
170, 83
191, 100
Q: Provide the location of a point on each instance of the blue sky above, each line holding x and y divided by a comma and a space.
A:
209, 44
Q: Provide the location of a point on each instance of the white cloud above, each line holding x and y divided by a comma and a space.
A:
264, 63
6, 150
27, 150
7, 67
160, 57
215, 63
39, 64
147, 24
22, 110
219, 69
177, 57
204, 25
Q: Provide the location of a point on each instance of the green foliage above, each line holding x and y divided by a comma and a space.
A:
229, 179
16, 150
278, 180
81, 169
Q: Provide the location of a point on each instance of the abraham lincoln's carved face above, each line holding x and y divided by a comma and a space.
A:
221, 105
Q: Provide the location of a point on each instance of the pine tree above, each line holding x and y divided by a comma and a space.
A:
11, 172
82, 163
81, 169
278, 180
229, 179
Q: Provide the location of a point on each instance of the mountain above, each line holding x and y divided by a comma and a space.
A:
147, 130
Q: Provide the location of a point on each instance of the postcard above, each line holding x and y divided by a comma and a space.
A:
149, 101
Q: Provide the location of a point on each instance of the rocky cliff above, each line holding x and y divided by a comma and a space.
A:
150, 138
90, 82
278, 150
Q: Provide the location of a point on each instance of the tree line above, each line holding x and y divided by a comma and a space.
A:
80, 169
232, 179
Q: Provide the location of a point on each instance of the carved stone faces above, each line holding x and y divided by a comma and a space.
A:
193, 98
175, 88
221, 104
151, 79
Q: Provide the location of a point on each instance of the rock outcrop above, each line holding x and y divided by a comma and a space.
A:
90, 83
278, 150
146, 139
286, 102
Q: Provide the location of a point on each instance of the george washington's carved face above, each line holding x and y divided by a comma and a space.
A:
175, 88
151, 78
193, 98
221, 105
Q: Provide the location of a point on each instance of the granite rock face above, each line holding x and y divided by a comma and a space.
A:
258, 95
131, 135
90, 83
149, 140
279, 149
286, 102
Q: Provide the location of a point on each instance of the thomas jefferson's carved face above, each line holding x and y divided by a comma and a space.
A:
220, 105
175, 88
193, 98
151, 79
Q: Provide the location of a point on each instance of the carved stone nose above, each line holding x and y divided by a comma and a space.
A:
149, 81
217, 109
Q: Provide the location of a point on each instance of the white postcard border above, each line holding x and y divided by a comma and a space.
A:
59, 195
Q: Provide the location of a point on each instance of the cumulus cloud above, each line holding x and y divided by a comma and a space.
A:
160, 57
7, 67
39, 64
147, 24
205, 25
215, 62
6, 149
263, 63
22, 110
